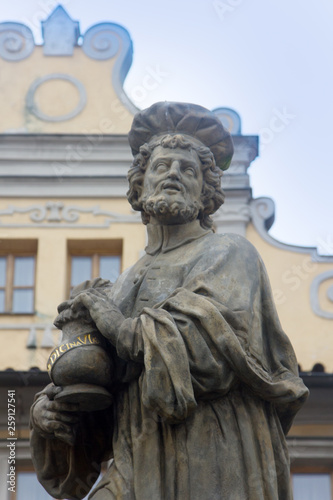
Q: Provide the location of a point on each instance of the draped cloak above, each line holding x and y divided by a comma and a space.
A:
207, 382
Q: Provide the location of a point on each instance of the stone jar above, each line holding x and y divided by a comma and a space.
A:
82, 364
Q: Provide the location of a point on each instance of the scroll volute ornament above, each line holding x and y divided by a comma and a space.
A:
82, 364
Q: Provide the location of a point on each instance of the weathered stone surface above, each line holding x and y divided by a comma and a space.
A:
82, 364
206, 383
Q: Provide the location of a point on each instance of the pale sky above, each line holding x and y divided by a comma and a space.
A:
271, 61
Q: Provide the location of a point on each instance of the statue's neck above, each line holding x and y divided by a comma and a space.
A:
165, 238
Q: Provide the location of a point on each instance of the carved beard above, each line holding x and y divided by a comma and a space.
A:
171, 212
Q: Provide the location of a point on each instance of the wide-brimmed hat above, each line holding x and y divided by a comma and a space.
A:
164, 118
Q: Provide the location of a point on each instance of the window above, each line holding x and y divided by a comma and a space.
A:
93, 266
312, 484
93, 259
17, 277
27, 482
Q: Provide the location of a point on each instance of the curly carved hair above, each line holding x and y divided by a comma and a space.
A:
212, 195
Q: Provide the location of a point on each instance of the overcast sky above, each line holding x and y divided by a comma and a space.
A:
270, 60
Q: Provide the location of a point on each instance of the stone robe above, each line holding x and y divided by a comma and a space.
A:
207, 382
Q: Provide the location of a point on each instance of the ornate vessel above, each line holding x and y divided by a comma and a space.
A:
82, 364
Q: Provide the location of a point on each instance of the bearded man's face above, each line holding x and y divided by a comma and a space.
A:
172, 185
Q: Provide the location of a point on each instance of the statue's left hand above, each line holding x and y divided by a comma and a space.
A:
103, 311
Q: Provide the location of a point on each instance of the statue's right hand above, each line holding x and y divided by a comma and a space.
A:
54, 419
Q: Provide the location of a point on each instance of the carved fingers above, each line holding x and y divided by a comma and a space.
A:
105, 314
92, 300
55, 419
62, 421
77, 307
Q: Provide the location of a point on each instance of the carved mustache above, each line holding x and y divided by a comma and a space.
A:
172, 185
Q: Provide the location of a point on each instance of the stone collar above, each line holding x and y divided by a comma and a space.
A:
166, 238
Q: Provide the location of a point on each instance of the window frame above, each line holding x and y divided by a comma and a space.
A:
93, 249
29, 468
308, 470
9, 287
23, 468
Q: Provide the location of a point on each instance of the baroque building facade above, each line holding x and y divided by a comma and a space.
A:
64, 218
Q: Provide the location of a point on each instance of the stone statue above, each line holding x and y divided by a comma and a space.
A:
204, 382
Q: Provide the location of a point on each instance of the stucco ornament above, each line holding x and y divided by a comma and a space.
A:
205, 380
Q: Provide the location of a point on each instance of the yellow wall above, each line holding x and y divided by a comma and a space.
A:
103, 113
51, 271
291, 274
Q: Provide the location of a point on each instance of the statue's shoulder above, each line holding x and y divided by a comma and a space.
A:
233, 242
